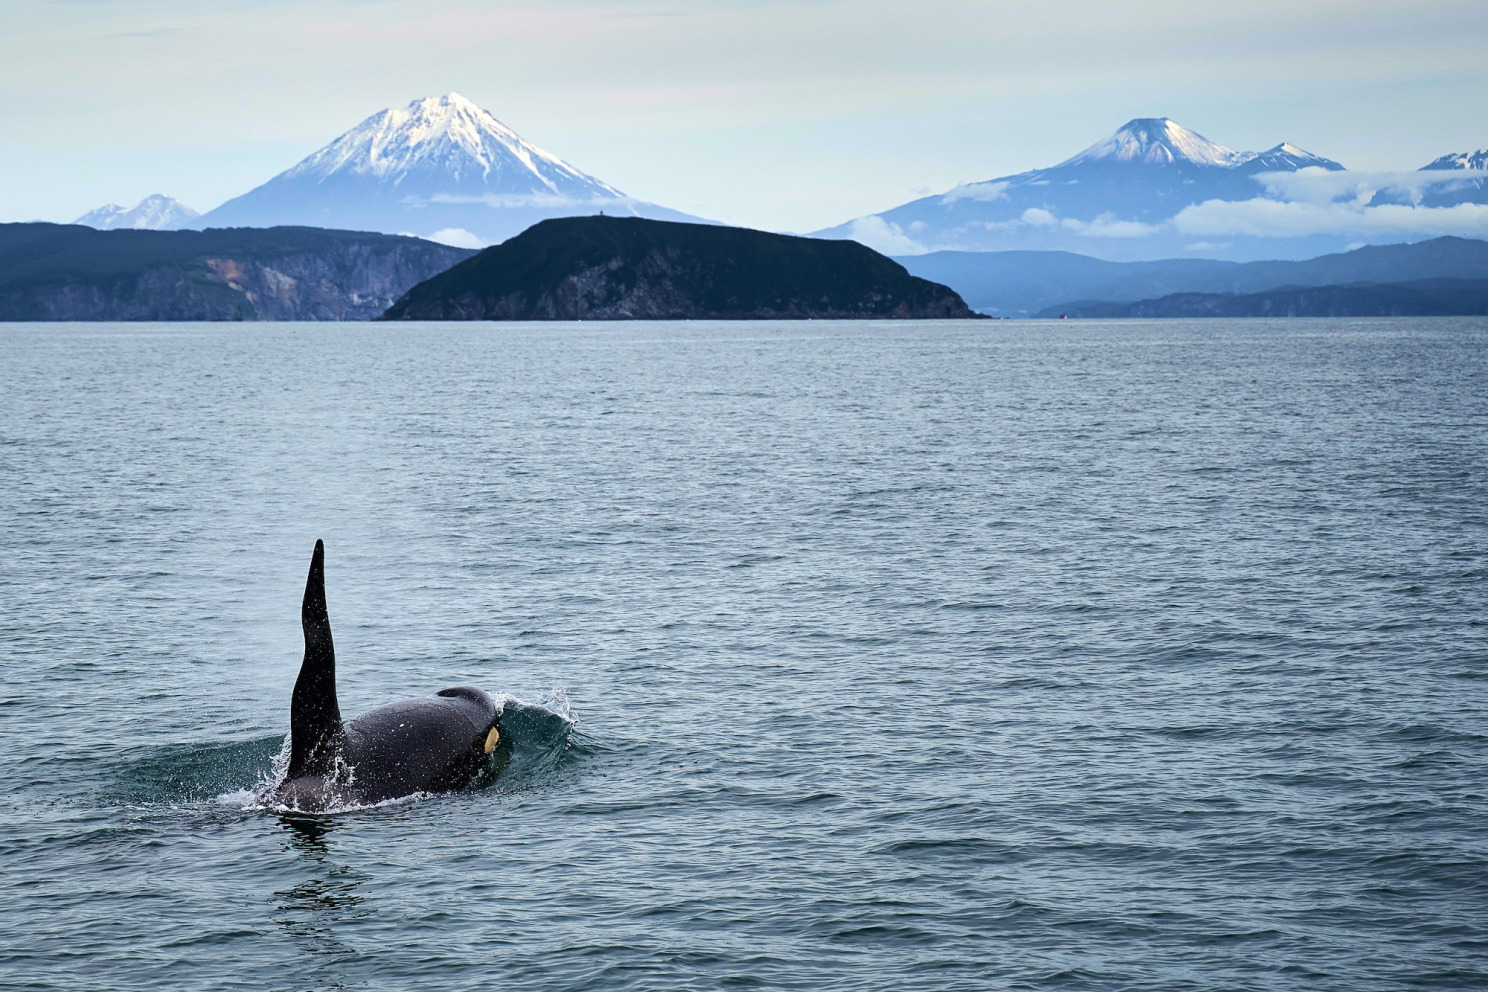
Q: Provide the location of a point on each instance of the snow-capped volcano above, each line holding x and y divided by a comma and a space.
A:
440, 167
1459, 160
1285, 157
452, 141
1116, 197
1156, 141
154, 213
1160, 141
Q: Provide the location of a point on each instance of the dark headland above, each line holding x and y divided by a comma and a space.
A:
628, 268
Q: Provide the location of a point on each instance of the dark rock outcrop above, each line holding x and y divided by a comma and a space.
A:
66, 272
627, 268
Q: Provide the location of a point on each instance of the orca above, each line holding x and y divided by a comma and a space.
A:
430, 744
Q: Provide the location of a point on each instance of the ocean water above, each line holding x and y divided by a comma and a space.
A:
840, 656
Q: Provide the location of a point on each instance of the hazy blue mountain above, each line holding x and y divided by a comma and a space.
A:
1114, 199
1156, 190
1421, 298
153, 213
441, 168
1022, 283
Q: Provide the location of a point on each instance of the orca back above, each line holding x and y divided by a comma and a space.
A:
429, 744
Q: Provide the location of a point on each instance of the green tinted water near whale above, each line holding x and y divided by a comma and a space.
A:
924, 656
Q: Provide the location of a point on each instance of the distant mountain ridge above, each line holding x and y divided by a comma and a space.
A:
157, 212
441, 167
1023, 283
1419, 298
65, 272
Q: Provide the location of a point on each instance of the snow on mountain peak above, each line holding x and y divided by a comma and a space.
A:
1459, 160
1157, 141
156, 212
442, 167
1286, 157
454, 139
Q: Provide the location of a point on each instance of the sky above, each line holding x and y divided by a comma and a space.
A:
787, 116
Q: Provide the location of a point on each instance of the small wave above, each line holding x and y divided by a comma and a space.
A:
978, 849
536, 740
1425, 733
186, 773
260, 802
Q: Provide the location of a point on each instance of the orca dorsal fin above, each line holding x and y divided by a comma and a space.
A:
315, 733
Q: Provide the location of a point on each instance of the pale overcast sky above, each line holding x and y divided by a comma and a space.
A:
787, 116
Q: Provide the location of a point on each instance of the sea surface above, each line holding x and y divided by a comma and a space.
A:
837, 656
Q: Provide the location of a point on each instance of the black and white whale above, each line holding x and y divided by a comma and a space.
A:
431, 744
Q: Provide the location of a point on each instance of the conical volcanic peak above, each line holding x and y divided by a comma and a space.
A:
1157, 141
452, 138
442, 168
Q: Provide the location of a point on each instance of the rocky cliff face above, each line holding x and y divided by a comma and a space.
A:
353, 282
612, 268
159, 293
275, 274
655, 288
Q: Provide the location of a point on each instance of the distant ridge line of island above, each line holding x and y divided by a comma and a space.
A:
54, 272
1419, 298
630, 268
1047, 283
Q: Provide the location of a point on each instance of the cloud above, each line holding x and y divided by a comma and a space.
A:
1262, 218
1107, 225
985, 192
1310, 202
455, 237
884, 236
1315, 185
